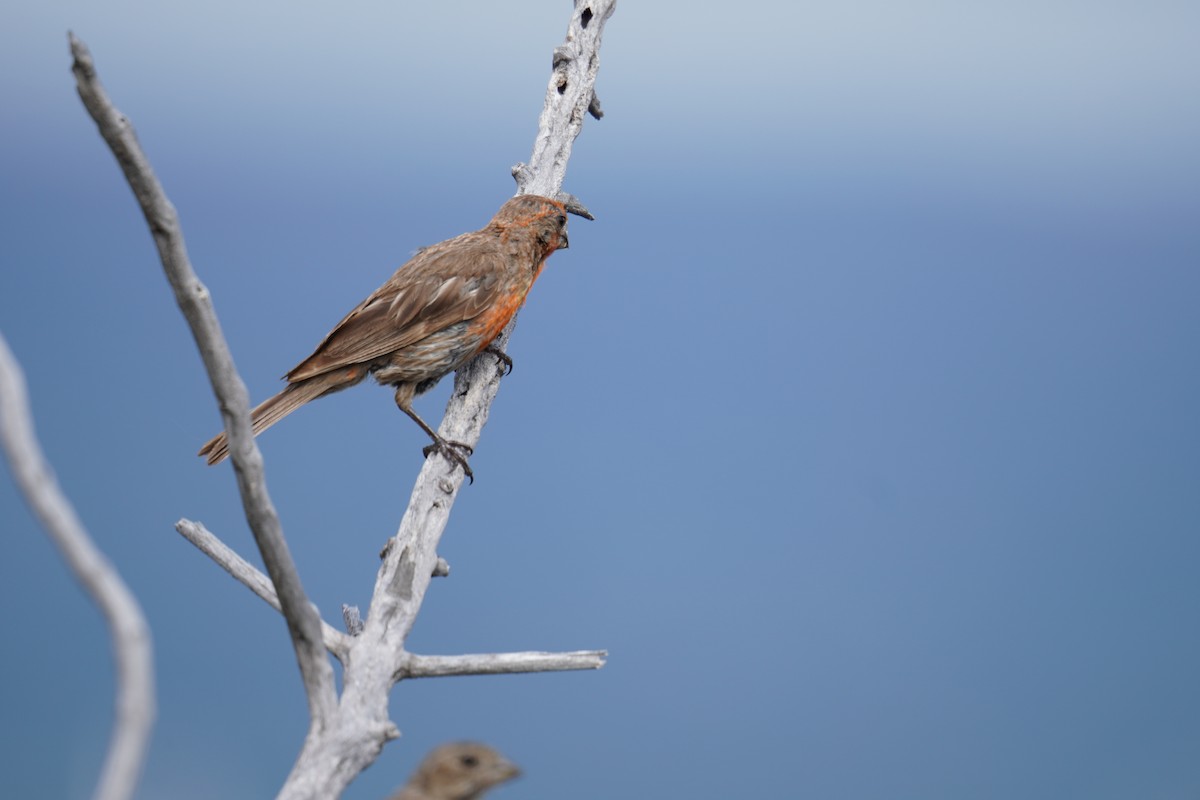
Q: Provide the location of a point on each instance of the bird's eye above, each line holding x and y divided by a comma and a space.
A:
562, 220
469, 761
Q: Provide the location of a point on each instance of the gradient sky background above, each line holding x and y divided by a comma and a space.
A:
860, 426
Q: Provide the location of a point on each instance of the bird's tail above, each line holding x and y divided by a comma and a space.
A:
276, 408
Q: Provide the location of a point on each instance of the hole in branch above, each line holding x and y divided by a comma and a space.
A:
585, 18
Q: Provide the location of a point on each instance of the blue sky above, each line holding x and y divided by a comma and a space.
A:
860, 427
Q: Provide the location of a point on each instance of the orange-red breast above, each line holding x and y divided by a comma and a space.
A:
437, 312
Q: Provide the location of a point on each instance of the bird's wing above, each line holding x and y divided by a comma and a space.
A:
441, 286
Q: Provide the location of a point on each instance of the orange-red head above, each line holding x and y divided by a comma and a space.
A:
544, 217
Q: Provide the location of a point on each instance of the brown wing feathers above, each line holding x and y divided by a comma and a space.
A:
479, 278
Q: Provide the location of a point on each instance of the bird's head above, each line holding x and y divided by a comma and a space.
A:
461, 771
542, 217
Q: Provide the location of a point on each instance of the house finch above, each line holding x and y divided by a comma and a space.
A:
439, 310
459, 771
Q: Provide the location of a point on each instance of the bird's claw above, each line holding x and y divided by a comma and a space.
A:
454, 452
506, 363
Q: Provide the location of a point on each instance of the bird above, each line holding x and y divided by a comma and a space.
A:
457, 771
440, 309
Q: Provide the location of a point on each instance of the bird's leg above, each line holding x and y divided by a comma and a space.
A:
506, 363
455, 452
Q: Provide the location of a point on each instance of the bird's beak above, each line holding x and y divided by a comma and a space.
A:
563, 243
573, 206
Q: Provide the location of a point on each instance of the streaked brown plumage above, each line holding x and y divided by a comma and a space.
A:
437, 312
458, 771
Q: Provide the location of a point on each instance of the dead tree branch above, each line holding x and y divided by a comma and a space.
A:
304, 624
347, 733
410, 561
246, 574
132, 651
415, 666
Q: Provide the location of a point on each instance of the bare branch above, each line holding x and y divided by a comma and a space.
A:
569, 97
415, 666
328, 762
135, 705
304, 625
348, 733
404, 575
353, 620
245, 573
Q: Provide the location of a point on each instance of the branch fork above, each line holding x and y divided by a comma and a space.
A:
347, 732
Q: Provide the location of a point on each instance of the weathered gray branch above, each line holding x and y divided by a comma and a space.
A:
570, 95
347, 733
412, 665
350, 616
192, 296
135, 705
327, 763
245, 573
417, 666
404, 575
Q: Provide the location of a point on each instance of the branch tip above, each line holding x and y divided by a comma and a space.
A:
354, 623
